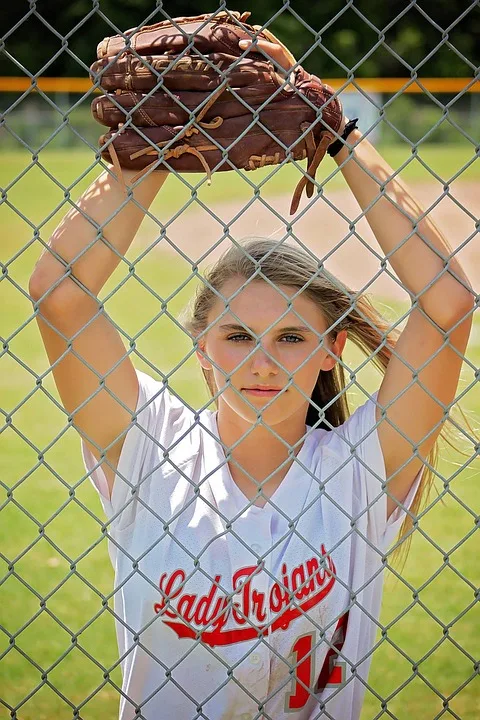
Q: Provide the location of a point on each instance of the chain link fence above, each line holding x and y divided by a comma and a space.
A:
60, 607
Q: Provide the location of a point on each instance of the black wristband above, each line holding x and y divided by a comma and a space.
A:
336, 146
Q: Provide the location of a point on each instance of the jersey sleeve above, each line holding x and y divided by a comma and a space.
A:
158, 419
361, 434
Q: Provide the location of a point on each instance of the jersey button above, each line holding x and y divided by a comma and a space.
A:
256, 548
255, 658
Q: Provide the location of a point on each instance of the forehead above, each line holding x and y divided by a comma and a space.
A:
259, 304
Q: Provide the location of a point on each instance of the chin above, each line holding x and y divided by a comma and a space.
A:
276, 412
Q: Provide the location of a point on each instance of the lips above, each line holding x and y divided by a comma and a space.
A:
260, 393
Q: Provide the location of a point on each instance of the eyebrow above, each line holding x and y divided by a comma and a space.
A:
290, 328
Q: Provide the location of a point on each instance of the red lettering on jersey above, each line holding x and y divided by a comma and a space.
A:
258, 602
176, 577
331, 673
204, 613
307, 582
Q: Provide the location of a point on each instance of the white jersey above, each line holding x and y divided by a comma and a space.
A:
216, 599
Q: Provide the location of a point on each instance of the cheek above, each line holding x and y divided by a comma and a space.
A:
229, 356
306, 367
303, 359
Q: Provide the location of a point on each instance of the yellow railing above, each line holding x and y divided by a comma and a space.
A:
374, 85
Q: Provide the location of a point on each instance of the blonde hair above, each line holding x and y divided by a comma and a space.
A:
342, 308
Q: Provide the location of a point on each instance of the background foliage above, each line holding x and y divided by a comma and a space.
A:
370, 37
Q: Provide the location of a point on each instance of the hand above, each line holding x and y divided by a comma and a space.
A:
274, 51
281, 55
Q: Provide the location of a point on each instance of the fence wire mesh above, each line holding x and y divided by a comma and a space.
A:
172, 555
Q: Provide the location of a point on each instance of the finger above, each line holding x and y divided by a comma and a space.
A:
257, 44
271, 50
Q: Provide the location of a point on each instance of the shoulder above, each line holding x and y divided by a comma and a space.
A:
348, 437
348, 460
164, 420
351, 452
157, 398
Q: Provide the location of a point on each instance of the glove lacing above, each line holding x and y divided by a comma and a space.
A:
315, 155
179, 150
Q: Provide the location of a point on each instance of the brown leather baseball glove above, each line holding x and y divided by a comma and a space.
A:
184, 95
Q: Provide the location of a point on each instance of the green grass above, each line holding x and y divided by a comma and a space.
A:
36, 195
39, 543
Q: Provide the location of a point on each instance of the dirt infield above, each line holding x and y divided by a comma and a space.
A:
353, 258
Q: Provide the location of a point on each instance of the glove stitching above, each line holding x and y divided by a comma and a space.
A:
221, 17
141, 111
285, 133
277, 81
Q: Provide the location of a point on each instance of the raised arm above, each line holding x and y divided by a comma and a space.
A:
83, 346
422, 376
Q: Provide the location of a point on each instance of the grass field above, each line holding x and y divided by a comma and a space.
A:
54, 562
40, 190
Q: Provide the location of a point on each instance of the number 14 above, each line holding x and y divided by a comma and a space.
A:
331, 674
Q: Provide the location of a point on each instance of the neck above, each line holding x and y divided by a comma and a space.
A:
260, 452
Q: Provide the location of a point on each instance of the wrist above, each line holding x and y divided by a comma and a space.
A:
144, 182
338, 145
345, 152
153, 177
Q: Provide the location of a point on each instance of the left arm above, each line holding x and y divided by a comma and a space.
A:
422, 376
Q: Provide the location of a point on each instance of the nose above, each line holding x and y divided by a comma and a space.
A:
263, 363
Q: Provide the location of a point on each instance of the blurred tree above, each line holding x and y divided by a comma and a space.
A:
370, 37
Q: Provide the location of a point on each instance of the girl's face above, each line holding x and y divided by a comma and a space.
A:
289, 347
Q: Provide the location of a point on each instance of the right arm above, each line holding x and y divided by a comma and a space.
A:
65, 308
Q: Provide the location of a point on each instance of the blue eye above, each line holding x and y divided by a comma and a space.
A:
234, 338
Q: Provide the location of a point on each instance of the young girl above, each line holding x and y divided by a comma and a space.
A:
248, 543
